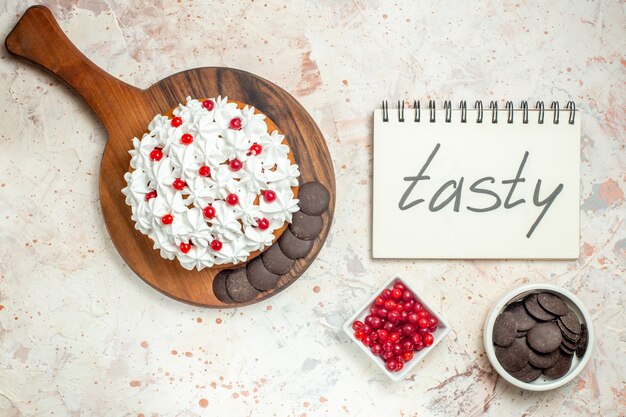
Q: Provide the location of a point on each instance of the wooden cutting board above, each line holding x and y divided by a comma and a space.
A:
125, 112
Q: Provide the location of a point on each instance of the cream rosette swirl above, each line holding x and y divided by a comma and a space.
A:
211, 185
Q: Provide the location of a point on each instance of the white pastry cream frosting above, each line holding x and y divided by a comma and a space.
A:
211, 184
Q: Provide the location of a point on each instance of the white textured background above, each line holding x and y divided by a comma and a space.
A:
81, 335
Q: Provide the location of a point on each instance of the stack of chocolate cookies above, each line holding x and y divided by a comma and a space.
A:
538, 335
263, 272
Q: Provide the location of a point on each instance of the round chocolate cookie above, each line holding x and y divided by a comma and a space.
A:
293, 247
543, 360
238, 286
523, 319
544, 337
567, 334
571, 322
571, 346
514, 357
259, 277
504, 329
581, 345
527, 374
314, 198
306, 227
219, 287
552, 303
275, 260
535, 310
560, 368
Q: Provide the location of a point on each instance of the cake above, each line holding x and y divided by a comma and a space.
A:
211, 184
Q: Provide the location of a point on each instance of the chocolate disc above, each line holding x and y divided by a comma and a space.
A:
567, 334
522, 334
259, 277
544, 337
293, 247
504, 329
552, 303
571, 322
543, 360
238, 286
305, 227
566, 350
581, 345
219, 287
275, 260
560, 368
513, 357
523, 319
535, 310
569, 345
527, 374
314, 198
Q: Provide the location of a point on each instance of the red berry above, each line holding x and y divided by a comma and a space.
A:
367, 341
216, 245
393, 316
397, 349
178, 184
177, 121
185, 247
150, 195
382, 335
428, 339
387, 355
419, 346
235, 165
377, 349
156, 154
263, 224
390, 327
208, 104
382, 313
403, 316
374, 311
186, 139
359, 334
232, 199
399, 286
357, 325
423, 314
413, 318
433, 321
368, 319
376, 322
407, 295
386, 293
399, 364
432, 329
391, 365
204, 171
379, 301
235, 123
209, 212
408, 329
423, 323
255, 149
408, 306
390, 304
396, 293
269, 196
394, 337
418, 307
423, 331
388, 346
407, 356
367, 329
407, 346
400, 306
167, 219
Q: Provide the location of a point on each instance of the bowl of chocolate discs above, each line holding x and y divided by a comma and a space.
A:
538, 337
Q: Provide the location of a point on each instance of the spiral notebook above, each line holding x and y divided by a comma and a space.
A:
476, 183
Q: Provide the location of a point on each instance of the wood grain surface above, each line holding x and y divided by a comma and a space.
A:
125, 112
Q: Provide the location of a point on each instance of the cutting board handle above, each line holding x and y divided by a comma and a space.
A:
38, 38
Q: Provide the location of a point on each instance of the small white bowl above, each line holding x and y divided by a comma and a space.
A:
443, 329
542, 383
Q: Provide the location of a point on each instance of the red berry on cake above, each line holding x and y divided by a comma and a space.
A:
209, 212
235, 165
208, 104
178, 184
263, 224
167, 219
177, 121
204, 171
186, 139
185, 247
255, 149
235, 123
232, 199
156, 154
216, 245
150, 195
269, 196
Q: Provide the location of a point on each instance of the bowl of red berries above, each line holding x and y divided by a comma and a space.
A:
396, 328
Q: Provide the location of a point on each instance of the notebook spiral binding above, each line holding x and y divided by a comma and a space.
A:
478, 106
